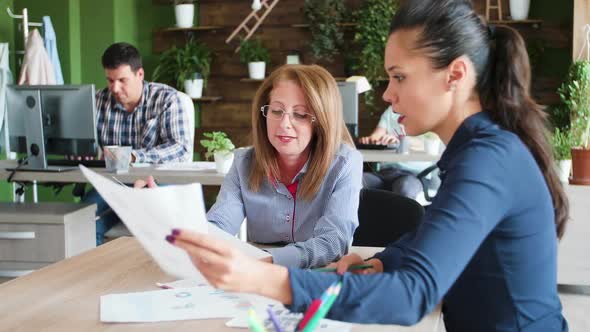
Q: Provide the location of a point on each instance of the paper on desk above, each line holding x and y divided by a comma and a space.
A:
170, 304
151, 214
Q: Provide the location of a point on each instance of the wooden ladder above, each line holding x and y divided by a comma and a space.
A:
252, 21
498, 7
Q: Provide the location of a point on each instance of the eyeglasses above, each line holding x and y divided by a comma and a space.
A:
277, 113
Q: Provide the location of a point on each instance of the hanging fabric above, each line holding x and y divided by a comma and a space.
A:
51, 47
37, 67
5, 79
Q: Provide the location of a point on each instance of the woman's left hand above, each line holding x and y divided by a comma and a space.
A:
223, 266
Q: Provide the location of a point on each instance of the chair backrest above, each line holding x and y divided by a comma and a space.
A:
385, 216
187, 105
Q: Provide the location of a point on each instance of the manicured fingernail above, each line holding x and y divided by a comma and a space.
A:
170, 238
175, 231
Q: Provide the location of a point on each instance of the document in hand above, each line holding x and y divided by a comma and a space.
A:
151, 214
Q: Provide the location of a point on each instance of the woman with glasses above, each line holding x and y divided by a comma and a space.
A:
487, 246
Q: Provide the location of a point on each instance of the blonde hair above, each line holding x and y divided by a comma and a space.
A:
329, 131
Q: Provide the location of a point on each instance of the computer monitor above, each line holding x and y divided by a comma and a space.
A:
51, 119
350, 106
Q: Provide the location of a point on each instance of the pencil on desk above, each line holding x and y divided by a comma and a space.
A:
350, 268
254, 323
274, 320
323, 310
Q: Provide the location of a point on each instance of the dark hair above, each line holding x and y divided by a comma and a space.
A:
450, 29
121, 54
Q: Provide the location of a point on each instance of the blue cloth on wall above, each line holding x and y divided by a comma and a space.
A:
50, 42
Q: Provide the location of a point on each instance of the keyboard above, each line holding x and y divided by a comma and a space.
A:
87, 163
362, 146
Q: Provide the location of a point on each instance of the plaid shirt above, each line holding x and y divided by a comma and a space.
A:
157, 129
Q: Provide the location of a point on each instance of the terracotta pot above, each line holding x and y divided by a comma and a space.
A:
580, 167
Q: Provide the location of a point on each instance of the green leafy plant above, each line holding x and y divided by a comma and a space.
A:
373, 20
324, 17
217, 142
575, 96
562, 144
181, 63
252, 50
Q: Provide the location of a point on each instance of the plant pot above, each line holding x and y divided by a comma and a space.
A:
257, 69
432, 146
194, 88
184, 15
223, 161
564, 168
519, 9
580, 167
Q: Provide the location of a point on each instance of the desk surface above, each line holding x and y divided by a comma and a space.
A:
205, 177
65, 296
393, 157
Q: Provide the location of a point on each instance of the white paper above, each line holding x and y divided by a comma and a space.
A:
151, 214
170, 304
192, 166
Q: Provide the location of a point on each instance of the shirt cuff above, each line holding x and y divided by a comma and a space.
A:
139, 156
390, 260
306, 286
288, 256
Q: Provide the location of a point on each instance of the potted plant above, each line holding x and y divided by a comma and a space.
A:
184, 12
187, 68
574, 94
256, 56
221, 147
431, 143
373, 20
519, 9
323, 18
562, 149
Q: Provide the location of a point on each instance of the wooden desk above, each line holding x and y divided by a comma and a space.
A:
205, 177
391, 156
65, 296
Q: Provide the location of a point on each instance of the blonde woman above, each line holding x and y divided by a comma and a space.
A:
298, 186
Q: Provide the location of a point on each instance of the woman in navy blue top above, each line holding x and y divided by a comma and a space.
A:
487, 246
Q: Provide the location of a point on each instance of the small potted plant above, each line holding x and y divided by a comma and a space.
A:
187, 68
221, 147
562, 149
184, 12
431, 143
576, 99
256, 56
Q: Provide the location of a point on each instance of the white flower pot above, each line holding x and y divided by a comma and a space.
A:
184, 15
257, 69
194, 88
432, 146
564, 169
519, 9
223, 161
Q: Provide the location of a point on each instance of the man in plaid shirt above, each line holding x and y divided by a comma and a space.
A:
133, 112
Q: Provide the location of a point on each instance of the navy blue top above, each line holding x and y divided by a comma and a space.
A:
487, 247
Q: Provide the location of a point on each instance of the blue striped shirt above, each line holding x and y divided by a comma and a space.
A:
157, 130
323, 227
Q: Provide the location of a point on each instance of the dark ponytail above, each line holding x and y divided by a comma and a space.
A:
451, 28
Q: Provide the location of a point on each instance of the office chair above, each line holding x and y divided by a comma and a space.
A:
422, 177
384, 217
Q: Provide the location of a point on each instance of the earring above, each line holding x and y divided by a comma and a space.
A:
452, 87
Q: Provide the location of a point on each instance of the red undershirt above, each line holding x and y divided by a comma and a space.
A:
292, 188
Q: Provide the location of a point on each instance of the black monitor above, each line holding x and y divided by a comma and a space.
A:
51, 119
350, 106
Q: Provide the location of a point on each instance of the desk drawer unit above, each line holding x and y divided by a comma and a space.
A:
34, 235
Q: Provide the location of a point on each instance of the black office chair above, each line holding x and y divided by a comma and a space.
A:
384, 217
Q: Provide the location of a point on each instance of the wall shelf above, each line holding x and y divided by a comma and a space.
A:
534, 23
191, 29
208, 99
306, 25
251, 80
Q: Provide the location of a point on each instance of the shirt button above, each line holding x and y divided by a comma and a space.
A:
288, 217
